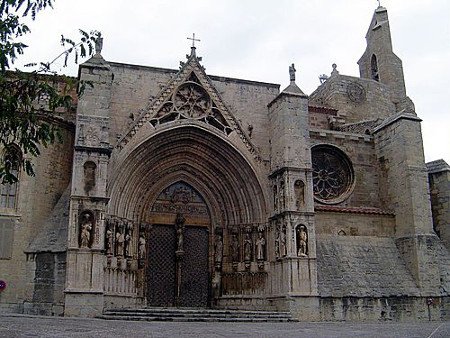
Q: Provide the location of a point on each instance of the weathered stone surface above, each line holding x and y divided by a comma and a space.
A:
314, 205
362, 266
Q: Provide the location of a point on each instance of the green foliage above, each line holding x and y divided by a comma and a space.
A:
30, 101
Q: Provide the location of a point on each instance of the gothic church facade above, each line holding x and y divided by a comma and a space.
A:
174, 188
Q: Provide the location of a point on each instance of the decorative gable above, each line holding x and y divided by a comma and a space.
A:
189, 96
190, 100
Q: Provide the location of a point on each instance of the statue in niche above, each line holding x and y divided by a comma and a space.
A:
234, 248
299, 190
218, 250
247, 247
109, 240
129, 239
302, 241
142, 247
127, 244
283, 247
179, 224
89, 176
87, 224
120, 242
260, 244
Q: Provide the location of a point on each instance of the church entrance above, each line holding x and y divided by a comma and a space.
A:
177, 268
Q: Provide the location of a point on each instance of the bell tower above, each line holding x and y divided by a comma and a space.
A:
379, 62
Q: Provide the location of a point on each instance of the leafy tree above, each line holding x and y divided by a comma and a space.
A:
30, 101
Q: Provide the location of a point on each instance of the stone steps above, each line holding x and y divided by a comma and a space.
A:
195, 315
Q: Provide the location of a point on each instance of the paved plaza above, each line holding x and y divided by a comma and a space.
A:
35, 326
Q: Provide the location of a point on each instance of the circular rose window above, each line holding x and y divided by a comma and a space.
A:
333, 176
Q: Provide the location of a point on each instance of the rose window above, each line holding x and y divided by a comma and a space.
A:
192, 101
333, 177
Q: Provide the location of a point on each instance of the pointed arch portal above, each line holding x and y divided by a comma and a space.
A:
192, 173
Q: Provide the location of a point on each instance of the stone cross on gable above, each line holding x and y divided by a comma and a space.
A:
193, 40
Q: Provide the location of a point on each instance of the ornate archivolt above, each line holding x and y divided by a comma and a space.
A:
218, 171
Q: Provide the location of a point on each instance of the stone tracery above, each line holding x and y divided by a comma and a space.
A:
191, 101
332, 174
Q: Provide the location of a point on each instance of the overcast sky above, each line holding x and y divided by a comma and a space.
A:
259, 39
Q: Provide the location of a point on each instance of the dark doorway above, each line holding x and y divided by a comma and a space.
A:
175, 279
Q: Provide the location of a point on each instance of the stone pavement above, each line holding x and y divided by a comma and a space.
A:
36, 326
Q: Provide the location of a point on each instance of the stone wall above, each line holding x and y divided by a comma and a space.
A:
360, 150
354, 224
439, 178
135, 87
37, 197
374, 101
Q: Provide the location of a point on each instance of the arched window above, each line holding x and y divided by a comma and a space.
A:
8, 191
374, 68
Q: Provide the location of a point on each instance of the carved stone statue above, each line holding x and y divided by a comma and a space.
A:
260, 244
234, 248
292, 71
179, 223
109, 241
141, 247
218, 250
99, 44
120, 243
127, 244
86, 229
247, 247
302, 238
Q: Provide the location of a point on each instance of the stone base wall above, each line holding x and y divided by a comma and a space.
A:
384, 309
83, 304
120, 302
244, 303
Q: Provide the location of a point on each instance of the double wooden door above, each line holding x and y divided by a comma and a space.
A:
174, 278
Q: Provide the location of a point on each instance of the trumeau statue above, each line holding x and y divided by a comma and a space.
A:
179, 224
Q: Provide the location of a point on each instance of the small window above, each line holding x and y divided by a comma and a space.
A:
374, 68
8, 194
